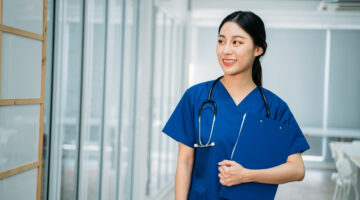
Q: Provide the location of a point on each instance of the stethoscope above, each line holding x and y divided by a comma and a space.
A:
209, 143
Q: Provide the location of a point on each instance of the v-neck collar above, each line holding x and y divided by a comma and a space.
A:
231, 101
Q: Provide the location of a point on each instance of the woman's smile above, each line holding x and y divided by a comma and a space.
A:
229, 62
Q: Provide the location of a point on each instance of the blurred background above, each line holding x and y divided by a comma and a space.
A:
87, 85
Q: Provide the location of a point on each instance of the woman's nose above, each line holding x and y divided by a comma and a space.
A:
227, 49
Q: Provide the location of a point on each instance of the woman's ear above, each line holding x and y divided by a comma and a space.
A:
258, 51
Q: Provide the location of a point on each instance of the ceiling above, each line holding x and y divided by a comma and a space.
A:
306, 13
265, 5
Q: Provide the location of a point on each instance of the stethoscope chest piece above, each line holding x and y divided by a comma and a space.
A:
204, 146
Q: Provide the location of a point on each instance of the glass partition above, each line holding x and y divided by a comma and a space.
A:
19, 138
22, 72
67, 78
156, 107
20, 67
23, 14
167, 91
111, 133
92, 100
27, 181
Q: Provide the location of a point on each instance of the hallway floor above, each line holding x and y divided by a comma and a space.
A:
317, 185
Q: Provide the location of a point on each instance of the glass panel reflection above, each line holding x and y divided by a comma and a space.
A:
165, 95
112, 99
67, 94
156, 108
92, 100
167, 90
127, 100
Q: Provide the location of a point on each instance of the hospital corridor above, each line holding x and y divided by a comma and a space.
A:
98, 96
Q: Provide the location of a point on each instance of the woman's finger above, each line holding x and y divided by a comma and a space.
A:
225, 169
225, 163
221, 170
221, 176
222, 181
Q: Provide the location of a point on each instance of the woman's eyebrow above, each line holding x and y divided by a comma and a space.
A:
233, 36
239, 36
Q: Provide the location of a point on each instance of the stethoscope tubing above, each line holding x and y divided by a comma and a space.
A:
209, 100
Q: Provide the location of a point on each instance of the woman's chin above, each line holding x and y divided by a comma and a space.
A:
233, 70
230, 72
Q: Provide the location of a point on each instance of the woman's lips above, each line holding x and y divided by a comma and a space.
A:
229, 62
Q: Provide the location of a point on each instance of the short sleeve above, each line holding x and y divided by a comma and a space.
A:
299, 143
180, 125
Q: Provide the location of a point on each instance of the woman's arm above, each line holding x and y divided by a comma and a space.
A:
292, 170
232, 173
183, 172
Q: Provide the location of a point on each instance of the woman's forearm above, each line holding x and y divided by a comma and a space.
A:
182, 180
284, 173
233, 173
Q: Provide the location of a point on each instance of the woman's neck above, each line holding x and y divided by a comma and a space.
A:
239, 82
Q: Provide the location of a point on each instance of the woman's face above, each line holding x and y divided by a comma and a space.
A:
235, 49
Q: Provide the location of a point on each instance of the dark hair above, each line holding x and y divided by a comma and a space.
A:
254, 26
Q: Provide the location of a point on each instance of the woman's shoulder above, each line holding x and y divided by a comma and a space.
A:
278, 107
275, 98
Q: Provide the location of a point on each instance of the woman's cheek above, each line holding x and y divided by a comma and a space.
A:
218, 51
243, 54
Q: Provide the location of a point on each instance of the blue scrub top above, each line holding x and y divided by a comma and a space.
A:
183, 126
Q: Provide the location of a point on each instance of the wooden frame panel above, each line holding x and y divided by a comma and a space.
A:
18, 170
1, 8
9, 102
20, 32
0, 52
43, 67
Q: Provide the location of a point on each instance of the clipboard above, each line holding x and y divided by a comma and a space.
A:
262, 143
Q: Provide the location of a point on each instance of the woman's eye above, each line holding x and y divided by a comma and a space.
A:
237, 42
220, 41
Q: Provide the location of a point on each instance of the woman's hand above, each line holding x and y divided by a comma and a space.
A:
232, 173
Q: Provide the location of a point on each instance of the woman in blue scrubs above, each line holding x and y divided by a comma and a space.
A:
201, 172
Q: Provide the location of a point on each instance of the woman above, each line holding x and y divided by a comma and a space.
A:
202, 172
